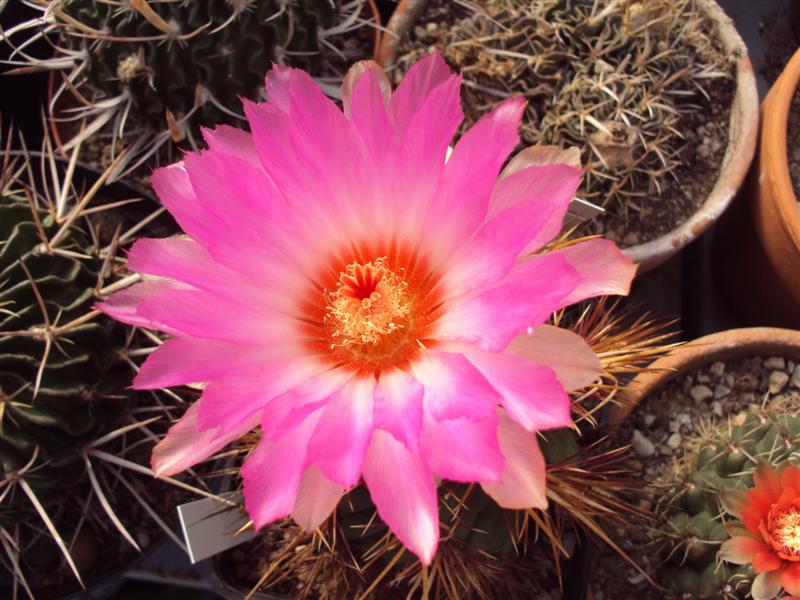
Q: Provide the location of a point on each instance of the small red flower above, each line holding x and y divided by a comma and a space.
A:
770, 538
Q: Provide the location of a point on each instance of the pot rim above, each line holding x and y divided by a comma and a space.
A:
742, 129
722, 345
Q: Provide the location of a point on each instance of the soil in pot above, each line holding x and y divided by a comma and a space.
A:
662, 430
646, 96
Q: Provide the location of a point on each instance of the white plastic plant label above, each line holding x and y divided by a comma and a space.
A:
210, 526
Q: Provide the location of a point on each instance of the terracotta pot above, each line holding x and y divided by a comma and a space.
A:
742, 132
758, 247
724, 345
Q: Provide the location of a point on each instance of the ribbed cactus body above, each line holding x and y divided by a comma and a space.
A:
222, 46
81, 392
693, 511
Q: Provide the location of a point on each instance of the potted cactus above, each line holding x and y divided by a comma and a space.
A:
721, 415
660, 97
76, 501
148, 75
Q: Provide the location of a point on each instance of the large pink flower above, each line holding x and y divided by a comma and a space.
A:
375, 309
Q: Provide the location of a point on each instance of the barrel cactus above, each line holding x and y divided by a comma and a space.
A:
707, 493
149, 74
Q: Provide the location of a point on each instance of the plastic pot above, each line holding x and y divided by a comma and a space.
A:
742, 130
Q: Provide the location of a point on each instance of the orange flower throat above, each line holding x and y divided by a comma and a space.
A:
783, 526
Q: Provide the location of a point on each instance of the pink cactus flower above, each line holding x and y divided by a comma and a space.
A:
375, 308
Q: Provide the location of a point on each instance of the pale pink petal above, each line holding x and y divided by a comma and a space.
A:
317, 498
354, 75
575, 363
416, 88
741, 550
462, 200
185, 445
404, 492
190, 360
530, 292
522, 484
529, 205
124, 304
542, 155
462, 449
345, 428
532, 395
398, 406
453, 386
271, 475
602, 268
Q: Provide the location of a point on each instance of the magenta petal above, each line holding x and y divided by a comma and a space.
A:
355, 74
416, 87
462, 200
532, 395
603, 269
344, 430
233, 142
124, 304
461, 449
185, 445
271, 475
404, 492
190, 360
453, 387
530, 292
317, 497
522, 484
398, 406
575, 363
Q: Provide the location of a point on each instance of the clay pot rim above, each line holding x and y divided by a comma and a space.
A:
775, 140
723, 345
742, 130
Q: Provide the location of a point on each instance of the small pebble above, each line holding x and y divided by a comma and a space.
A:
703, 378
700, 393
718, 368
775, 362
795, 382
631, 239
665, 450
674, 441
720, 391
790, 366
649, 420
777, 381
716, 408
641, 445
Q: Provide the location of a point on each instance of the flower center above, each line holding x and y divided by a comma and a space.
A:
369, 305
785, 532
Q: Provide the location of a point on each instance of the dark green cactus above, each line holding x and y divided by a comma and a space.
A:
51, 409
694, 509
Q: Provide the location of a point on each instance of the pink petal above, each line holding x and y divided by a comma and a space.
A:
355, 74
540, 156
416, 88
345, 428
189, 360
528, 205
531, 291
185, 445
575, 363
462, 200
398, 406
603, 269
407, 504
461, 449
124, 304
317, 498
453, 387
741, 550
233, 142
522, 484
532, 395
271, 475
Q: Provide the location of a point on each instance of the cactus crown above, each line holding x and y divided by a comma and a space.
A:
695, 513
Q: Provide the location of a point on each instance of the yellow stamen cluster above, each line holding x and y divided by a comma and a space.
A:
786, 532
370, 302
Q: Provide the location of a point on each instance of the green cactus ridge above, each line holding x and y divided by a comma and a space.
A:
81, 393
223, 46
693, 511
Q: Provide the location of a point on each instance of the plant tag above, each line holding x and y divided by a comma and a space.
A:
583, 209
209, 527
